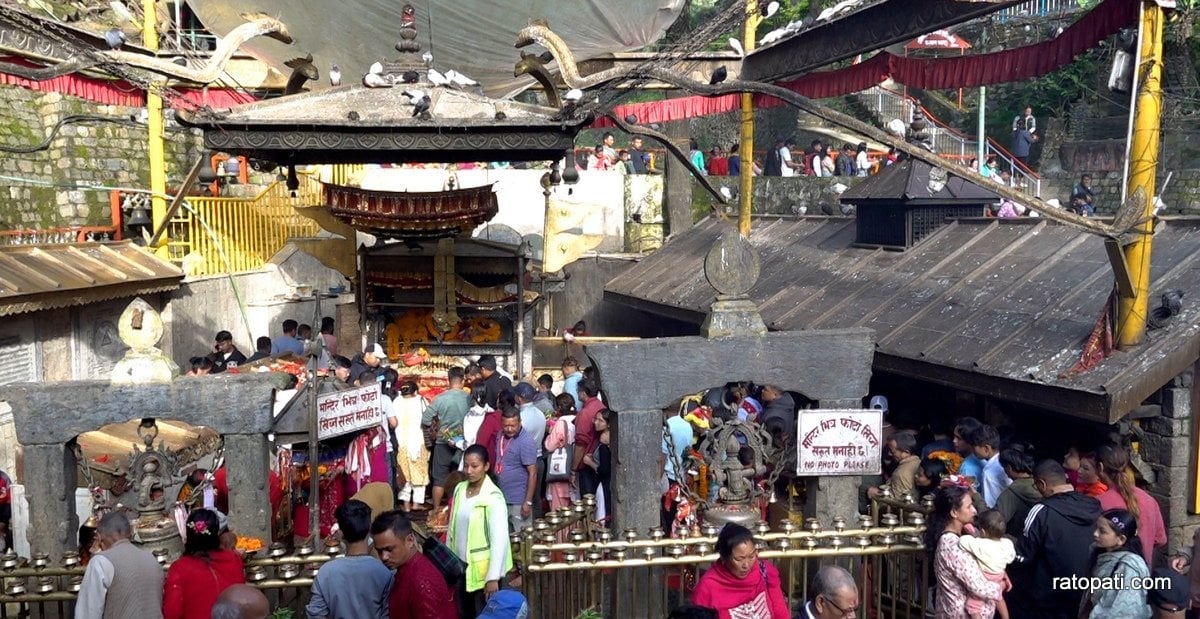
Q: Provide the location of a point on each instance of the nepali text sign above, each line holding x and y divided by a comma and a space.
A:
839, 442
343, 412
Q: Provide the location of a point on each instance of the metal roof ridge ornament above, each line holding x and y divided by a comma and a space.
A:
732, 267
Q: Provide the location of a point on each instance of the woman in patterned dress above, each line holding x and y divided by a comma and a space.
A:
958, 575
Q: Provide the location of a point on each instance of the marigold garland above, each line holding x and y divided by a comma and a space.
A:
949, 458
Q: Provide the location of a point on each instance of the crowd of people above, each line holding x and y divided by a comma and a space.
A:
1011, 536
291, 340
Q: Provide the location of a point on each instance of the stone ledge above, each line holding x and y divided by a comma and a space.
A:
230, 404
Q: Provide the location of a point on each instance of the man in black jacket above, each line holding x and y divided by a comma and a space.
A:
1055, 546
493, 381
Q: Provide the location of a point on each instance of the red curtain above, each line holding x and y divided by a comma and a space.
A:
120, 92
1009, 65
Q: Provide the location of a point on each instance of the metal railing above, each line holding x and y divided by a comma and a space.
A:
37, 587
211, 236
947, 141
1039, 9
600, 572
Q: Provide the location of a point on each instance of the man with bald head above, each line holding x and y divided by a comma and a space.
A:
122, 580
241, 602
834, 595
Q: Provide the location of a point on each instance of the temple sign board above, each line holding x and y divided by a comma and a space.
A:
349, 410
839, 442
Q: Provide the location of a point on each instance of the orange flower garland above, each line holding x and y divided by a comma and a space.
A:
952, 460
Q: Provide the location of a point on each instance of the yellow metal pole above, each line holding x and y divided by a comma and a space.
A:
1143, 163
746, 143
154, 128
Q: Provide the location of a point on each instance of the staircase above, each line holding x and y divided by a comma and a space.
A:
948, 142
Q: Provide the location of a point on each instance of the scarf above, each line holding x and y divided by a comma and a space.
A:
740, 597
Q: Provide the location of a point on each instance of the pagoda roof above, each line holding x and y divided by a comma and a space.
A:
356, 124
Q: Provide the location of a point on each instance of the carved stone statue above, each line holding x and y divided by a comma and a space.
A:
736, 454
151, 471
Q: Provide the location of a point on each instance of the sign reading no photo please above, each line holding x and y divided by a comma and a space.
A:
839, 442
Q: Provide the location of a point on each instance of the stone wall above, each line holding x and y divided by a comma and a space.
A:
1182, 195
49, 191
1167, 448
776, 195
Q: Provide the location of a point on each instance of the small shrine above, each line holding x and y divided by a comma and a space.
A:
394, 115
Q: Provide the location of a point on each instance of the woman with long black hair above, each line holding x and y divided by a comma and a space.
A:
957, 573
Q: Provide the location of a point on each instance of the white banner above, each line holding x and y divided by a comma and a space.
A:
839, 442
343, 412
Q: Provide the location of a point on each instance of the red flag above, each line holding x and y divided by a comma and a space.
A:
1099, 343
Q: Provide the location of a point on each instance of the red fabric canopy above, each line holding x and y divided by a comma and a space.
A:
1005, 66
120, 92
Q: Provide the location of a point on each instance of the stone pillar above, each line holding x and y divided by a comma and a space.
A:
677, 186
53, 524
247, 458
1167, 448
637, 445
835, 496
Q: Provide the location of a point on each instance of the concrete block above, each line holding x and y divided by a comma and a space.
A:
1166, 451
1171, 480
1177, 402
1175, 508
824, 365
230, 404
1166, 426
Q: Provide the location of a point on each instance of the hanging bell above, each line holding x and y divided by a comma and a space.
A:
207, 175
293, 181
138, 217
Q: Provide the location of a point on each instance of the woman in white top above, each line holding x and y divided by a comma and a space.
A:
862, 165
411, 455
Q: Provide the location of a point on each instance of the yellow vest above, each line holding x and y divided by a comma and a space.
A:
490, 505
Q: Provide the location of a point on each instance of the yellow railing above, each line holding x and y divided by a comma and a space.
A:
211, 236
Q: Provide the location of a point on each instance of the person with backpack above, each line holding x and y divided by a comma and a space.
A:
560, 444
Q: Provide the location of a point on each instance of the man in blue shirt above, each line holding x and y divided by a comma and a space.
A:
516, 470
288, 342
679, 431
357, 584
972, 466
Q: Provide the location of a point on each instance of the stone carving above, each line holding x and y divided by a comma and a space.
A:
141, 327
733, 473
732, 265
152, 473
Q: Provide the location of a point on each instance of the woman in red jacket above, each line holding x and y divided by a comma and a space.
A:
205, 570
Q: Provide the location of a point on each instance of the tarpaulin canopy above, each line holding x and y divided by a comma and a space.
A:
473, 37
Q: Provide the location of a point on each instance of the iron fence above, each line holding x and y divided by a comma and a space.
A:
599, 573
